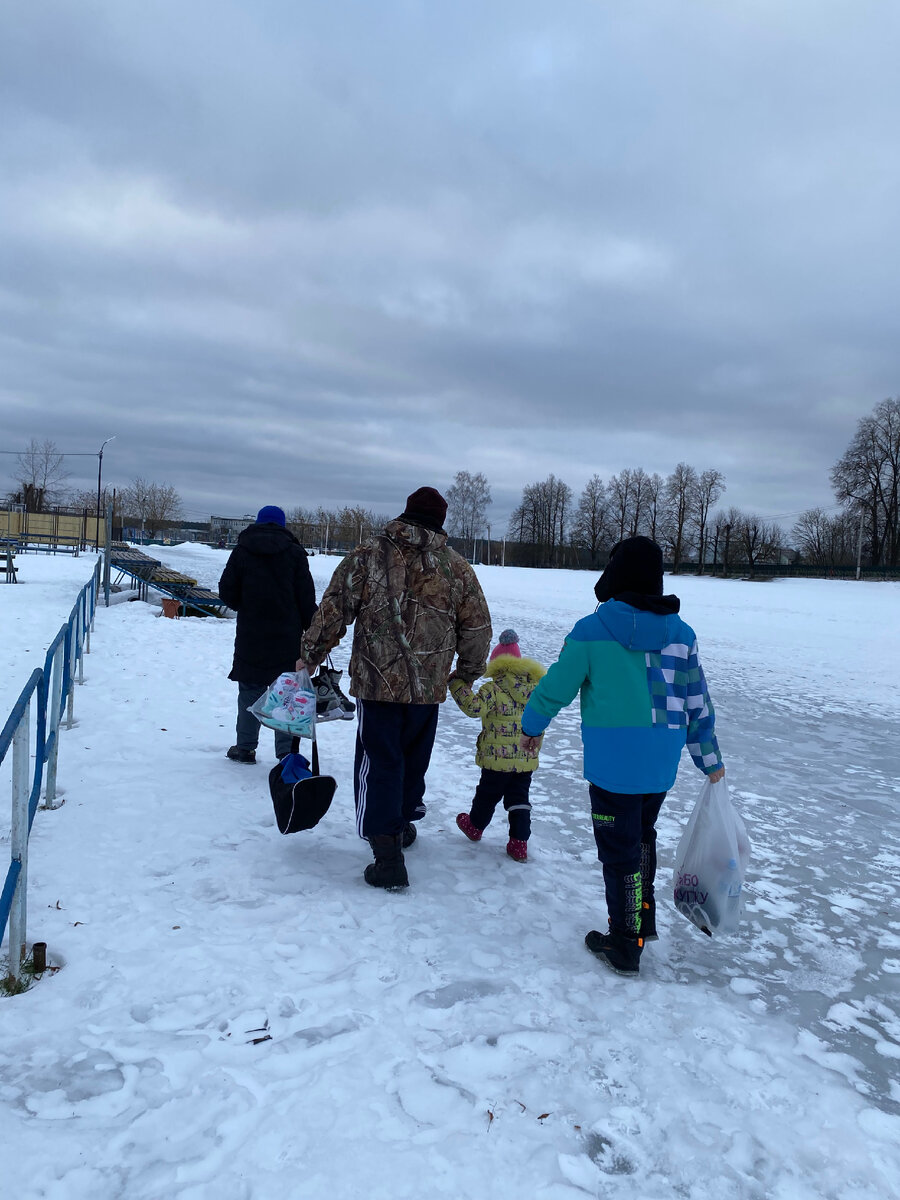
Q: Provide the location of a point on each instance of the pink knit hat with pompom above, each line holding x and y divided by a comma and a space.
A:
507, 644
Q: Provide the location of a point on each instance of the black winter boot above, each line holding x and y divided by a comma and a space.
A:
388, 870
621, 951
409, 835
236, 754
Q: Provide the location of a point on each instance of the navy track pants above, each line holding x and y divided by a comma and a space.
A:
393, 750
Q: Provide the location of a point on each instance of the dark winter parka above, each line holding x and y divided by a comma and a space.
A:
267, 582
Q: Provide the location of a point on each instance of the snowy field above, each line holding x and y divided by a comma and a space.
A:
239, 1017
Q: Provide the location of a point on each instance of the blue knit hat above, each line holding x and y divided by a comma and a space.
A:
270, 515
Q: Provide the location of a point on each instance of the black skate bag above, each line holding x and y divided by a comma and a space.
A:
303, 799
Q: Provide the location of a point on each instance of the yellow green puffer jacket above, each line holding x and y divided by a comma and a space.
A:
500, 703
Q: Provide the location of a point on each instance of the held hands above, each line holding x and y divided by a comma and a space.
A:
530, 745
716, 775
300, 665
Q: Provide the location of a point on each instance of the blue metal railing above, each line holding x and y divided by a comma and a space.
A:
51, 689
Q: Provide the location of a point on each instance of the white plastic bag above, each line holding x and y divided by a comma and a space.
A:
288, 704
711, 863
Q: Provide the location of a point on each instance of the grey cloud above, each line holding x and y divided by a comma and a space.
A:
345, 249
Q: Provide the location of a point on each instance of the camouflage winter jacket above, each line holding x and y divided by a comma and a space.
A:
416, 604
500, 703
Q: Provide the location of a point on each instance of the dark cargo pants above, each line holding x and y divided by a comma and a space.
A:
625, 833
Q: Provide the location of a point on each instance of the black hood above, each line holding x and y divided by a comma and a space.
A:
266, 539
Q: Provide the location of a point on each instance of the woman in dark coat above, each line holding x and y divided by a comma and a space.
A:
268, 584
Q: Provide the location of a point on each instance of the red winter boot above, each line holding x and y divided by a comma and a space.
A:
517, 849
472, 832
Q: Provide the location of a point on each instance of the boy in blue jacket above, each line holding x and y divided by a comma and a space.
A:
643, 698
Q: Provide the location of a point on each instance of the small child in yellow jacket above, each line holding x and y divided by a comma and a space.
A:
506, 768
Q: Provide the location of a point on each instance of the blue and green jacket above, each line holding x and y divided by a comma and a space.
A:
643, 698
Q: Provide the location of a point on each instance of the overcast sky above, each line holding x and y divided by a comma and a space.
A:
297, 252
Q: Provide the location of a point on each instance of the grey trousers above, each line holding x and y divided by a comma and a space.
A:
248, 727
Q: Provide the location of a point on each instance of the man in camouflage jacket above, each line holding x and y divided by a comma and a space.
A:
416, 604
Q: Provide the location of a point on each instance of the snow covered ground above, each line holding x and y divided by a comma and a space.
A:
240, 1017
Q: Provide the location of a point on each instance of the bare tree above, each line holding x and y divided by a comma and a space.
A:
709, 488
655, 496
826, 541
680, 492
41, 475
302, 524
151, 505
621, 498
640, 498
467, 503
726, 535
351, 525
542, 517
86, 499
761, 541
867, 477
136, 502
591, 529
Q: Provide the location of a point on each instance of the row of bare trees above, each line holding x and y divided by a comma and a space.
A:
675, 511
41, 483
334, 528
144, 505
678, 511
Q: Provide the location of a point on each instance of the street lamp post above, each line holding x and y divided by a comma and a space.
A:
99, 489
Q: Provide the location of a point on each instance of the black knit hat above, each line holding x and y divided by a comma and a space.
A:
635, 565
425, 506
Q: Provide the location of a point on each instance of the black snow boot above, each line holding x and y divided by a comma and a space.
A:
388, 870
621, 951
409, 834
236, 754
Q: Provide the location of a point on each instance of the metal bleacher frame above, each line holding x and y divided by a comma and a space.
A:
146, 573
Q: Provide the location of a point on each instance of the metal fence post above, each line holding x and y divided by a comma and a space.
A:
81, 636
95, 586
54, 707
69, 675
107, 550
19, 843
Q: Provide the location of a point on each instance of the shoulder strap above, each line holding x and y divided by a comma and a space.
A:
295, 749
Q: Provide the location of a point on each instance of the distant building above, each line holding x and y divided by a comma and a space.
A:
227, 528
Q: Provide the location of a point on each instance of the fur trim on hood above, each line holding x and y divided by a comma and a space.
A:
518, 666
